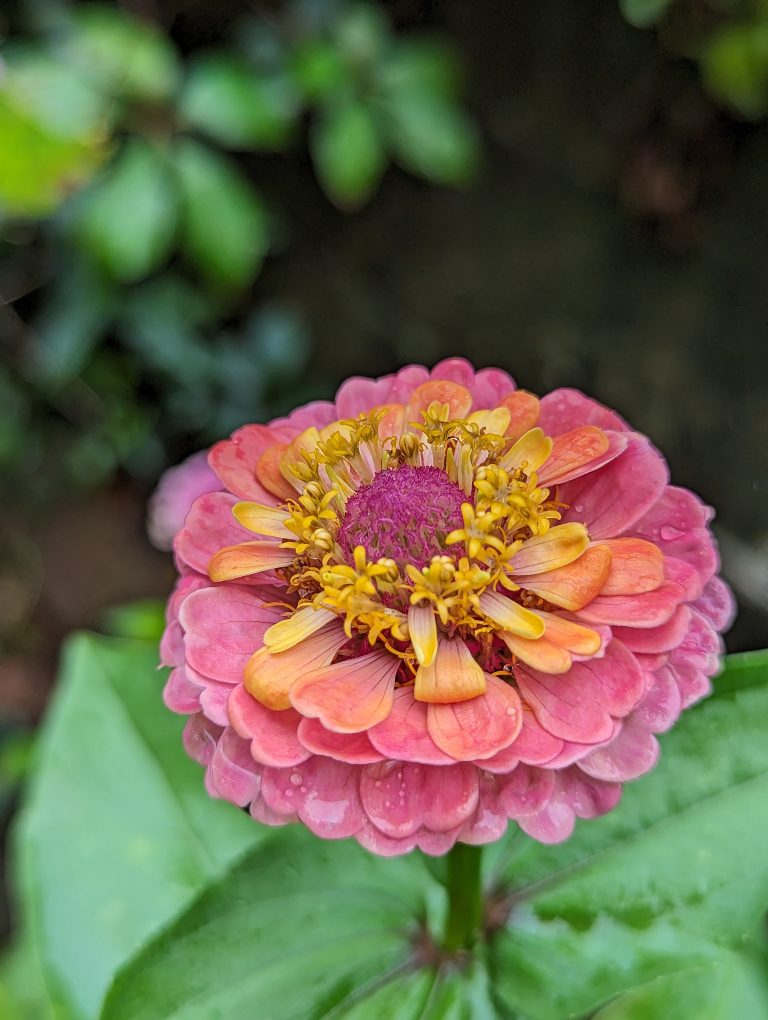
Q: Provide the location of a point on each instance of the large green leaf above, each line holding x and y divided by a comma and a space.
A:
674, 875
347, 152
127, 219
224, 228
118, 835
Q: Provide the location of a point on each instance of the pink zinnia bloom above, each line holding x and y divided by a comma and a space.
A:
436, 605
171, 501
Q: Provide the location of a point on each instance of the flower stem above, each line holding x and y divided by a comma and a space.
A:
465, 897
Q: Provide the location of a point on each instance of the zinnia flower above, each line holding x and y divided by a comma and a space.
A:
436, 605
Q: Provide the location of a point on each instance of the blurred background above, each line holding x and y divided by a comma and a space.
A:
210, 213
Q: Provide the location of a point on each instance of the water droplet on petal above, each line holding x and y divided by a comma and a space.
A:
296, 778
669, 534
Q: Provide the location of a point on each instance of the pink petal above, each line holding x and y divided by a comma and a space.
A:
213, 701
588, 797
348, 696
176, 491
273, 736
399, 797
200, 738
358, 395
565, 409
180, 694
637, 566
403, 735
322, 792
717, 604
405, 382
223, 627
649, 610
577, 452
490, 386
234, 460
234, 773
533, 745
456, 370
489, 821
630, 755
610, 501
317, 413
373, 839
662, 704
677, 524
209, 527
172, 645
657, 639
354, 748
525, 791
261, 812
436, 844
477, 729
572, 752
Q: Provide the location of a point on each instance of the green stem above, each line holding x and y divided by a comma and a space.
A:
465, 897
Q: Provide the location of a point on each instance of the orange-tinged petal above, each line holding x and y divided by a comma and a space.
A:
511, 616
558, 547
529, 452
268, 472
349, 696
540, 654
269, 676
422, 627
305, 442
637, 567
494, 422
248, 558
443, 391
572, 587
572, 451
297, 627
454, 675
393, 422
264, 520
477, 729
574, 637
523, 410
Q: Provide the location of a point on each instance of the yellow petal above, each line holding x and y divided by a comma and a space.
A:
264, 520
269, 676
248, 558
495, 422
541, 654
574, 586
305, 442
529, 452
287, 633
511, 616
422, 627
453, 676
561, 545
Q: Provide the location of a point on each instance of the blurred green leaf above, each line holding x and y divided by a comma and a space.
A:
74, 319
730, 988
117, 835
23, 995
431, 137
140, 621
643, 13
361, 32
735, 66
40, 167
120, 53
238, 108
420, 67
319, 69
347, 153
224, 228
127, 219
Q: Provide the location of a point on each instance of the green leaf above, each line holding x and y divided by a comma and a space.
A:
642, 13
421, 67
143, 620
127, 219
347, 152
117, 835
319, 69
727, 989
40, 166
431, 137
735, 66
121, 54
665, 882
224, 98
224, 228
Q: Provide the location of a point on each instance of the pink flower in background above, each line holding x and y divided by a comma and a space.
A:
436, 605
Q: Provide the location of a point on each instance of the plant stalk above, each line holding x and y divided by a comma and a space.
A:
465, 897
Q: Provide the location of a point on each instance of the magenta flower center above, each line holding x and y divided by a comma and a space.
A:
404, 514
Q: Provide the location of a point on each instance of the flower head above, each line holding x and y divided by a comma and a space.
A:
438, 605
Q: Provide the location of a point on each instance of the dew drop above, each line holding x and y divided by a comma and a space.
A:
579, 508
289, 792
377, 784
303, 789
296, 778
669, 534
